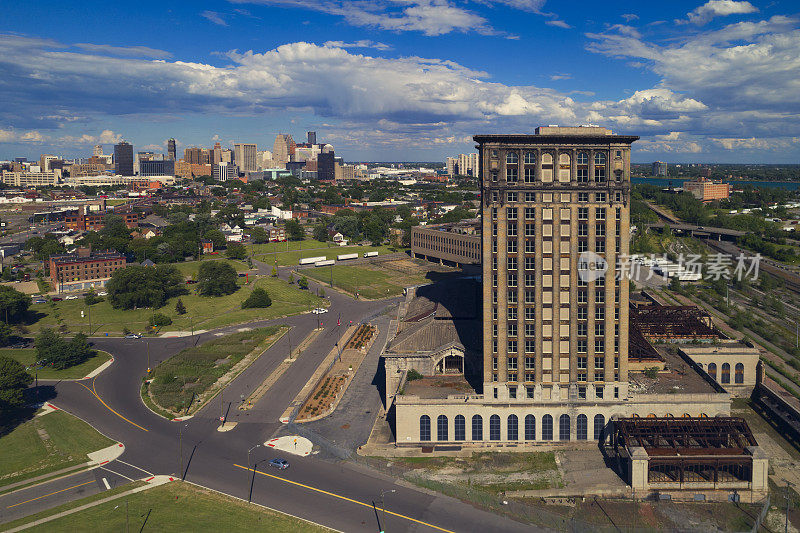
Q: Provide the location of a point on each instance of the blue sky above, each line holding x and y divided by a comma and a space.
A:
402, 79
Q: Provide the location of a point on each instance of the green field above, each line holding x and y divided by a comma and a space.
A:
202, 312
292, 258
175, 507
190, 268
27, 356
191, 372
370, 281
45, 444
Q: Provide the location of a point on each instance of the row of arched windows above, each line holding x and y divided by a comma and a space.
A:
725, 374
582, 158
512, 428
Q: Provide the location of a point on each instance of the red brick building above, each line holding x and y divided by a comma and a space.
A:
93, 221
83, 269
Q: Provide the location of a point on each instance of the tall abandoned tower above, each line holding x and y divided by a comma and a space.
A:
555, 211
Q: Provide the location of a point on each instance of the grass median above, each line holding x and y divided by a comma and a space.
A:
27, 356
187, 379
45, 444
293, 256
371, 281
174, 507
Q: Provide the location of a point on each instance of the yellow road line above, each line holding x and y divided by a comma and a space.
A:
344, 498
46, 495
94, 393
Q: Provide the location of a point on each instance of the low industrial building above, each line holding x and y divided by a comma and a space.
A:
457, 243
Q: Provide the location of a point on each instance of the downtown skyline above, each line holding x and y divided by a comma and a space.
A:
402, 80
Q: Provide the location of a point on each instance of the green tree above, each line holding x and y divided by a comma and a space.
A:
7, 335
258, 298
160, 320
295, 230
236, 250
179, 307
53, 350
321, 231
13, 382
217, 237
274, 271
92, 298
137, 286
291, 278
13, 304
217, 278
303, 283
259, 235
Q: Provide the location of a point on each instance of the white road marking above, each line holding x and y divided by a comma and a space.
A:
136, 467
105, 482
116, 473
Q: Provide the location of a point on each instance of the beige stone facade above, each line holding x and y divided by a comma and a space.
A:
732, 365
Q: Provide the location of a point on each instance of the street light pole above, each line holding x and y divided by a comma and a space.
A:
180, 449
250, 495
383, 507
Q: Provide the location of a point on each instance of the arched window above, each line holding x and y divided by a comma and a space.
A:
563, 427
582, 158
530, 427
726, 373
581, 428
712, 370
513, 427
547, 427
738, 375
424, 428
564, 168
477, 427
599, 427
512, 158
494, 427
600, 167
530, 158
441, 428
460, 427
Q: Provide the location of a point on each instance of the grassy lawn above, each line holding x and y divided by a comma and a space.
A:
292, 258
47, 443
191, 372
177, 507
203, 312
370, 281
27, 356
190, 268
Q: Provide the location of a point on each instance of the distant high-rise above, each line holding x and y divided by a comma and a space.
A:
157, 167
98, 149
197, 156
283, 149
326, 166
123, 159
312, 137
245, 156
659, 168
171, 149
463, 165
224, 171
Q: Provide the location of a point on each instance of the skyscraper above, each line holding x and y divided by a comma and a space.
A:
554, 213
98, 149
326, 166
283, 149
311, 137
123, 159
245, 156
171, 149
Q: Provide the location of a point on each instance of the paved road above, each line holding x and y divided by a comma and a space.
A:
337, 494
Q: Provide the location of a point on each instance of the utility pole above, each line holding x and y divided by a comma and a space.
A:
148, 356
786, 524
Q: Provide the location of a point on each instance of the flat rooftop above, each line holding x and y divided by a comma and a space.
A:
679, 377
438, 387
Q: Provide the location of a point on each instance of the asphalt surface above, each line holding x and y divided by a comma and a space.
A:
337, 494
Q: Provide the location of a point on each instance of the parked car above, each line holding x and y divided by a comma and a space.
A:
102, 293
133, 336
280, 464
71, 297
56, 299
40, 301
319, 310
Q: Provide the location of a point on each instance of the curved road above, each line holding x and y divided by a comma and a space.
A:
339, 495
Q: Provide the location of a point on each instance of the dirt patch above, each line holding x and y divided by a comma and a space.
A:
323, 397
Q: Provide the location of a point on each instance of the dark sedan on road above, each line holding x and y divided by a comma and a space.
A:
280, 464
